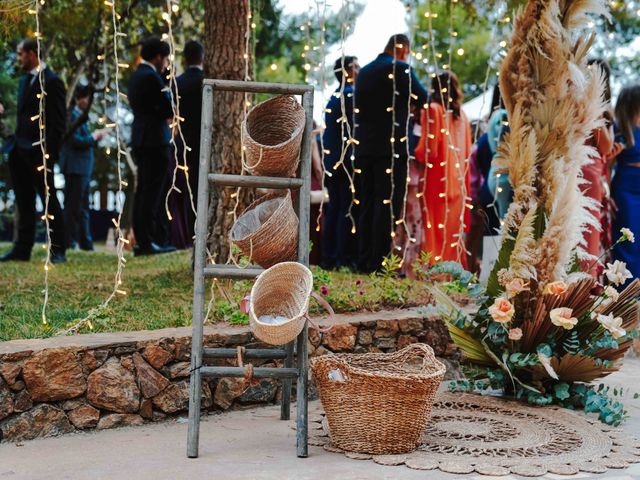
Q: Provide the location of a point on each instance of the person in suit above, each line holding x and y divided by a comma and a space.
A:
189, 93
76, 163
152, 110
382, 133
337, 239
25, 154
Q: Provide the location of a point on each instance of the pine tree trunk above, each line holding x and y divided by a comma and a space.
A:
224, 40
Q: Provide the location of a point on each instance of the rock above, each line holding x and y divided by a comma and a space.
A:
437, 337
54, 374
365, 337
157, 356
125, 349
94, 359
314, 337
341, 338
227, 391
22, 402
41, 421
150, 380
127, 362
386, 344
146, 409
17, 386
263, 392
235, 339
360, 349
114, 420
404, 340
113, 388
15, 356
386, 328
72, 404
158, 416
373, 349
178, 370
84, 416
6, 400
183, 348
411, 325
10, 372
175, 397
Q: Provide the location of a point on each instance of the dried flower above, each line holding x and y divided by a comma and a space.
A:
556, 288
561, 317
324, 290
611, 293
515, 334
627, 235
614, 325
359, 282
546, 363
502, 310
617, 272
516, 286
360, 292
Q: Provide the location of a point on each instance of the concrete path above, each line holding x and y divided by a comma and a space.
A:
249, 444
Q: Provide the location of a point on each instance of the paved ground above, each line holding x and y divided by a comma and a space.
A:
250, 444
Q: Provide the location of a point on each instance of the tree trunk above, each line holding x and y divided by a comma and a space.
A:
224, 39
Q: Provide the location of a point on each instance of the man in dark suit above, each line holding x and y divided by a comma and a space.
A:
190, 93
379, 141
76, 163
26, 157
151, 104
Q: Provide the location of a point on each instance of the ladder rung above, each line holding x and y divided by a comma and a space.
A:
231, 271
268, 353
254, 182
257, 372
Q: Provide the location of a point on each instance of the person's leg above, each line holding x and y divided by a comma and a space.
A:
56, 220
330, 225
381, 237
157, 194
86, 239
366, 227
72, 208
25, 200
343, 222
141, 206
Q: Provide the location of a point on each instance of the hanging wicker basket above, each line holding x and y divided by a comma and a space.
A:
271, 136
267, 230
280, 291
378, 403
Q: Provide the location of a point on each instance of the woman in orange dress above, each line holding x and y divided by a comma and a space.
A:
444, 147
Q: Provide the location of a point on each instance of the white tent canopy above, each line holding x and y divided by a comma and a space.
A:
478, 107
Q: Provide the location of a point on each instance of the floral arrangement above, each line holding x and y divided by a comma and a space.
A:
544, 329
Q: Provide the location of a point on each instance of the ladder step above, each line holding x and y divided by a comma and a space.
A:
231, 271
257, 372
268, 353
254, 182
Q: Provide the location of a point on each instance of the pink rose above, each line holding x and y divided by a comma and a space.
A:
502, 310
556, 288
515, 334
516, 286
562, 317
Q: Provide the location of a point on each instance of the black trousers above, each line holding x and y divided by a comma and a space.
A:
339, 245
76, 211
374, 192
27, 182
148, 202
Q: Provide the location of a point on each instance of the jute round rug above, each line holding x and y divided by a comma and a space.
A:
494, 436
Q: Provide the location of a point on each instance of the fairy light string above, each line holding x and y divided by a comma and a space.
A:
44, 168
321, 10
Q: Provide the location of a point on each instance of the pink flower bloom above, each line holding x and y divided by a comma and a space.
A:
515, 334
556, 288
502, 310
324, 290
516, 286
562, 317
359, 282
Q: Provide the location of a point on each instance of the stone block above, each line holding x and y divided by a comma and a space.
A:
157, 356
84, 416
175, 397
22, 402
146, 409
10, 372
93, 359
365, 337
114, 420
151, 382
178, 370
227, 390
386, 344
405, 340
341, 338
114, 388
17, 386
262, 392
386, 328
411, 325
6, 400
42, 421
54, 374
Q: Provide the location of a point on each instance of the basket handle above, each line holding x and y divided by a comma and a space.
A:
418, 349
329, 310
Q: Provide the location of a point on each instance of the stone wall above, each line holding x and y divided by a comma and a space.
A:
59, 385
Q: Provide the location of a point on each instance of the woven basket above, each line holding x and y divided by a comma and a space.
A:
271, 136
282, 290
276, 239
384, 401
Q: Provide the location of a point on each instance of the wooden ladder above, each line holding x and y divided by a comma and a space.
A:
302, 203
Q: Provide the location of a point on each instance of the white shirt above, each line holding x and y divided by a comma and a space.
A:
144, 62
35, 71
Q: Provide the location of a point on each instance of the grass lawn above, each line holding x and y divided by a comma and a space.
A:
159, 294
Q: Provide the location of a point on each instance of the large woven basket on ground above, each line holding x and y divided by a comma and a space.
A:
275, 239
282, 290
271, 136
378, 403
